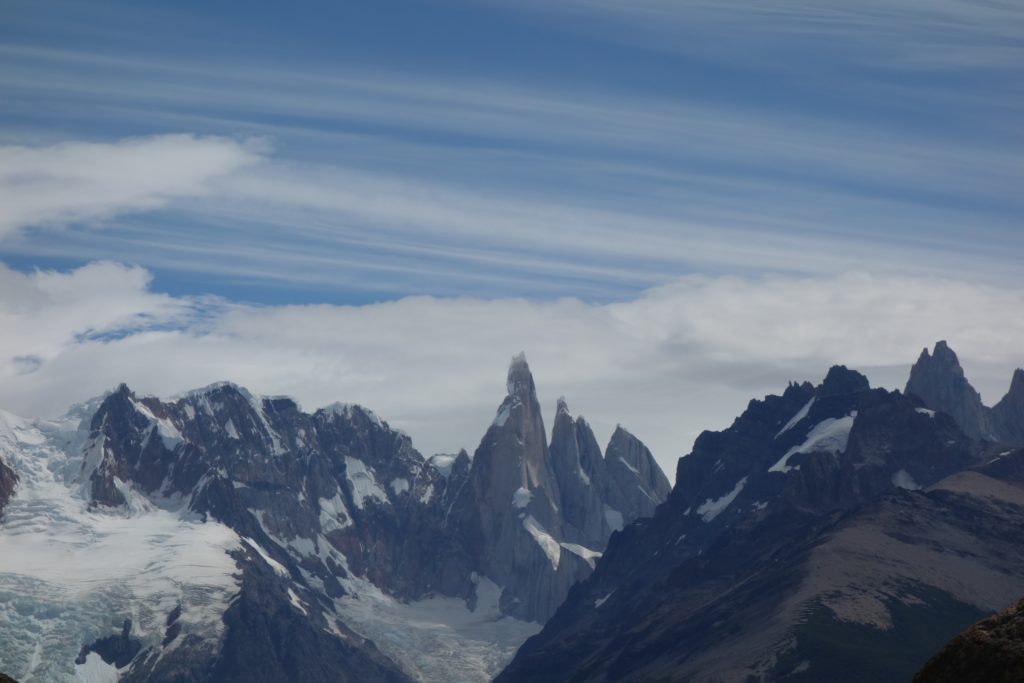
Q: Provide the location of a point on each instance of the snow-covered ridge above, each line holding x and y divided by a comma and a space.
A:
210, 389
350, 410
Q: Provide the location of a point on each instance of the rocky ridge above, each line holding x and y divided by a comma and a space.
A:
835, 532
992, 650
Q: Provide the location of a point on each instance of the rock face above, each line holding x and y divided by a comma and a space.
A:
8, 477
580, 470
992, 650
939, 381
835, 532
319, 513
1007, 416
8, 482
634, 484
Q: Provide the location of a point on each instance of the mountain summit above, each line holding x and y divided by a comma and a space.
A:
939, 380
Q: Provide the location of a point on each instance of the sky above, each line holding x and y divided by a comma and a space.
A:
671, 207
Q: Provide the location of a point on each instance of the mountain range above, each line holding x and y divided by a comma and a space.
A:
833, 532
222, 536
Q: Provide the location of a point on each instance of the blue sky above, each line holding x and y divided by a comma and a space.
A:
704, 137
568, 157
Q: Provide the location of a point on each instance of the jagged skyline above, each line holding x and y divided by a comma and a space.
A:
381, 204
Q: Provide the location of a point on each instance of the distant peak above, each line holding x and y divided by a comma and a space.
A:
561, 406
520, 380
1017, 383
842, 380
942, 359
622, 433
221, 386
945, 354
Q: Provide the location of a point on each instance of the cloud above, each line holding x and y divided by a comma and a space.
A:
45, 313
674, 360
387, 182
79, 181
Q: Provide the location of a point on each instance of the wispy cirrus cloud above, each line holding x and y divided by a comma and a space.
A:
396, 179
886, 33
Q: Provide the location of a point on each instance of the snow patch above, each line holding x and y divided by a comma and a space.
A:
583, 475
828, 436
629, 467
502, 417
278, 568
399, 485
521, 498
793, 421
613, 518
601, 601
711, 508
427, 494
164, 427
925, 411
546, 542
590, 556
229, 427
296, 603
364, 485
95, 670
903, 480
442, 463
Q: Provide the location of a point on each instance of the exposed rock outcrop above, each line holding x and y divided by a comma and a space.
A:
8, 482
992, 651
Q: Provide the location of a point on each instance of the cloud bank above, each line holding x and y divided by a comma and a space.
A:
81, 181
677, 359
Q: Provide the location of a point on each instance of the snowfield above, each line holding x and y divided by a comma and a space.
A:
69, 575
439, 639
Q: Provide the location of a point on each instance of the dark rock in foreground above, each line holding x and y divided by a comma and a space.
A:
992, 651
